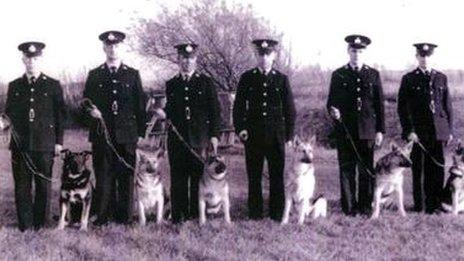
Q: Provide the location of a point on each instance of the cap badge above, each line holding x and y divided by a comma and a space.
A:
425, 47
32, 49
188, 48
264, 44
357, 40
111, 37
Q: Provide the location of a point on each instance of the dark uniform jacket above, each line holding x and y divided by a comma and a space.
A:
193, 107
37, 112
121, 100
424, 105
359, 97
264, 105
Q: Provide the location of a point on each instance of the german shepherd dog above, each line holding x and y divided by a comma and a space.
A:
148, 184
301, 183
214, 189
453, 193
76, 188
389, 177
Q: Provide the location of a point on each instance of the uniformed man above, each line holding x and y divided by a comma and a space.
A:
36, 109
264, 119
116, 91
426, 116
192, 108
355, 102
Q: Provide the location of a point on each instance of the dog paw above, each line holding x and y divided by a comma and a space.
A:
83, 229
403, 214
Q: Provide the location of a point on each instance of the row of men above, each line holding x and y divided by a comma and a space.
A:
263, 115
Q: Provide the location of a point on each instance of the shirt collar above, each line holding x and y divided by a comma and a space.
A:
261, 70
29, 76
428, 69
188, 75
116, 64
352, 66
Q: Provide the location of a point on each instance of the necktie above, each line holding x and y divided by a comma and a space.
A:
356, 68
33, 79
113, 69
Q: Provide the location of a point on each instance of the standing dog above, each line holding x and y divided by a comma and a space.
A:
389, 177
214, 189
301, 184
76, 188
453, 193
148, 184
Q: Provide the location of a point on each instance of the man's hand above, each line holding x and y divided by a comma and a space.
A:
243, 135
289, 143
335, 113
413, 137
214, 144
450, 139
96, 113
58, 149
378, 139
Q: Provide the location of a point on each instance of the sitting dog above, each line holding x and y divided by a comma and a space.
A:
453, 193
300, 187
148, 185
389, 177
76, 188
214, 189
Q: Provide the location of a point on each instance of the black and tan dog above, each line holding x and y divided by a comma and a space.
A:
148, 185
301, 184
389, 177
214, 189
453, 193
76, 187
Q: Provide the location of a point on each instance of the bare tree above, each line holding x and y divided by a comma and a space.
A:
223, 31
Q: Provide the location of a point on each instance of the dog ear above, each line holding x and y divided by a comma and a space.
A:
87, 154
296, 140
408, 147
312, 140
459, 149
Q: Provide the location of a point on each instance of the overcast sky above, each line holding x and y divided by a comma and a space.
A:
315, 30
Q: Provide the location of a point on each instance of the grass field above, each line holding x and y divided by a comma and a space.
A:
337, 237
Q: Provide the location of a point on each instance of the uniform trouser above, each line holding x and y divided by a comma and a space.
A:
186, 171
32, 210
115, 181
428, 177
356, 187
256, 151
